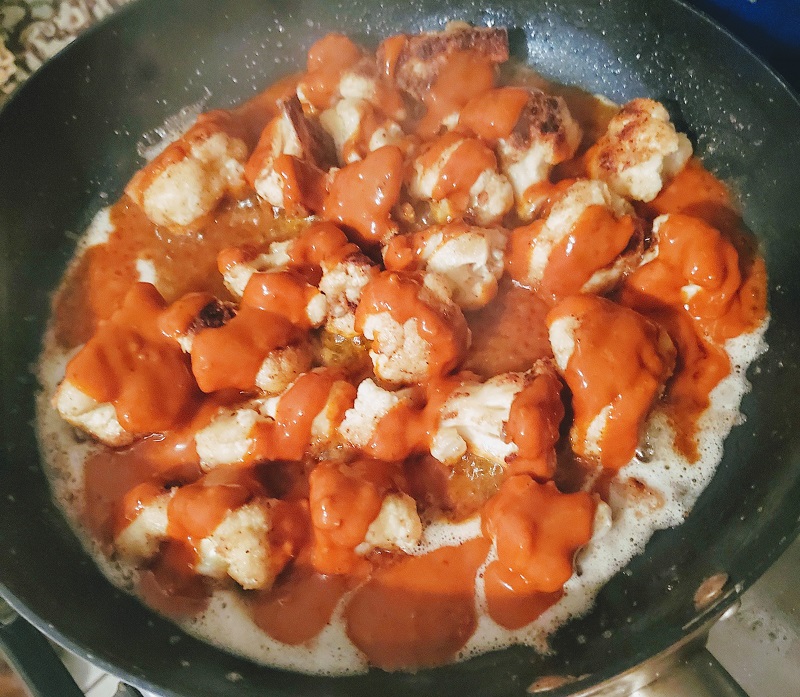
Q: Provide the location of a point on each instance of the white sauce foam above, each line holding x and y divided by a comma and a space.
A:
226, 622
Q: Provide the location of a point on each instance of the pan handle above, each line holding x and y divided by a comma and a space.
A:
33, 658
36, 662
697, 674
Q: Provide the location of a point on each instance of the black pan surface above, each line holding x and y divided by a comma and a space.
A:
67, 147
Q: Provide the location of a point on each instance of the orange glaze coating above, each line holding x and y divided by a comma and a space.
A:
618, 362
405, 611
300, 605
363, 193
230, 356
344, 500
698, 268
533, 425
463, 76
328, 58
493, 114
445, 331
283, 293
131, 364
288, 437
537, 530
595, 242
418, 611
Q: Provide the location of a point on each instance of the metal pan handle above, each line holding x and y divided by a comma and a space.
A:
35, 660
698, 674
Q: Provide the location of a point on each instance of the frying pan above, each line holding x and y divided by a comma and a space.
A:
68, 146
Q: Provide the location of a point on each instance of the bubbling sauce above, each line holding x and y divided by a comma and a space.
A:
309, 454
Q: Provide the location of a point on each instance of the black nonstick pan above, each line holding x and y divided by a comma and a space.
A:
68, 146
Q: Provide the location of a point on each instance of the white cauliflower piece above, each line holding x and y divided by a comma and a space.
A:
239, 548
471, 260
422, 333
563, 217
342, 284
640, 151
140, 539
290, 133
473, 418
397, 526
371, 405
402, 355
98, 420
544, 135
237, 272
227, 439
488, 197
349, 122
325, 426
282, 367
192, 187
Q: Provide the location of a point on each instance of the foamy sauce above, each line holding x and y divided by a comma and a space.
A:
674, 485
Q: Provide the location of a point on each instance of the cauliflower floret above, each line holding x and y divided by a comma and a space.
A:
532, 246
342, 284
397, 526
98, 420
470, 259
358, 128
228, 438
290, 140
372, 404
612, 356
193, 174
473, 418
192, 313
545, 135
416, 335
325, 426
282, 367
459, 176
238, 265
640, 151
140, 539
239, 547
422, 56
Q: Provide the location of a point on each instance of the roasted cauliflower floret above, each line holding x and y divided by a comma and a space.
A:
342, 284
188, 179
586, 243
372, 404
193, 313
511, 419
141, 538
282, 366
539, 134
640, 152
358, 128
98, 420
228, 439
415, 335
288, 165
470, 259
459, 176
397, 526
239, 547
615, 362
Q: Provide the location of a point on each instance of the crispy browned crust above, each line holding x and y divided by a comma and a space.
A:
215, 314
318, 146
541, 116
422, 56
